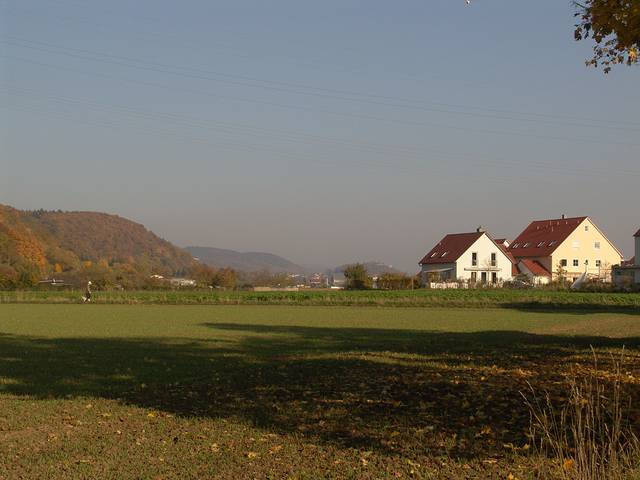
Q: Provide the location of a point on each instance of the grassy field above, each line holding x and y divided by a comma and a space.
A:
481, 298
161, 391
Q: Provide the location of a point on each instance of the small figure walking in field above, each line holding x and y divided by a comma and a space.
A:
87, 294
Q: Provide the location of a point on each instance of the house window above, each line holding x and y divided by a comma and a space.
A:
474, 277
576, 263
563, 262
494, 277
575, 244
586, 262
596, 245
483, 276
474, 259
493, 259
586, 228
598, 263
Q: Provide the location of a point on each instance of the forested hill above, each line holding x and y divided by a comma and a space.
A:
244, 261
42, 243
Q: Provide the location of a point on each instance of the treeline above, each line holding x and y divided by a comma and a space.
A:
357, 278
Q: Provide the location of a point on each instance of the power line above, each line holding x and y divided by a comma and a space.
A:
286, 87
178, 41
260, 148
228, 128
330, 112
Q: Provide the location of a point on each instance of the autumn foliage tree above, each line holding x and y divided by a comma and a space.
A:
75, 247
357, 277
225, 278
614, 26
395, 281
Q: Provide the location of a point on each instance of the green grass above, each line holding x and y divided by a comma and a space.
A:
197, 391
537, 298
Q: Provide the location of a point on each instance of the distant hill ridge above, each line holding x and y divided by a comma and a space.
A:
61, 241
373, 268
244, 261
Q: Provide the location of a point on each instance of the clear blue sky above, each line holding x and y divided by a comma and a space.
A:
327, 132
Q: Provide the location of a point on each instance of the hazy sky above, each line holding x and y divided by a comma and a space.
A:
325, 131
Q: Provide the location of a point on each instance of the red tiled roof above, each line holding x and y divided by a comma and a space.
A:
535, 267
548, 234
631, 261
505, 250
514, 270
452, 246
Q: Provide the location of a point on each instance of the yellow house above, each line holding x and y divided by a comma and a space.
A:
565, 247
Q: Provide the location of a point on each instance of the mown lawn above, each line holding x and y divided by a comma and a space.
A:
157, 391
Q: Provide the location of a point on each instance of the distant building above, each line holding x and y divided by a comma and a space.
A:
318, 280
564, 247
298, 279
182, 282
470, 257
53, 282
628, 273
338, 280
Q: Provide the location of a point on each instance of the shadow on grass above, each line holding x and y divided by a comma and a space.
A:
571, 308
387, 390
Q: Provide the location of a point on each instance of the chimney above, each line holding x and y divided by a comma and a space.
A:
480, 229
563, 216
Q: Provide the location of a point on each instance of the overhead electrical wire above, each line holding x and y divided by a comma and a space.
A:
243, 130
599, 122
329, 112
286, 87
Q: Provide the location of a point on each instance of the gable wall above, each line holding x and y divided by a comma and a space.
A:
583, 250
484, 246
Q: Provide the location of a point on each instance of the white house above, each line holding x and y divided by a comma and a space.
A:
471, 257
629, 272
